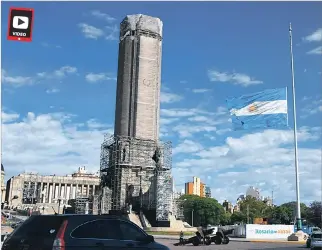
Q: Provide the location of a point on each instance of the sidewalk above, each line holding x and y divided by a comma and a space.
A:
174, 237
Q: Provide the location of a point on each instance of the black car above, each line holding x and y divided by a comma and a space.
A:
83, 232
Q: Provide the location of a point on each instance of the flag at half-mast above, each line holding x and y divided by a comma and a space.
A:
265, 109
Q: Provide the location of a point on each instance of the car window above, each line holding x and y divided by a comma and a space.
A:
317, 236
98, 229
40, 226
131, 232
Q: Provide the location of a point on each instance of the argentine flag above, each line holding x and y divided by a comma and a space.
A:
265, 109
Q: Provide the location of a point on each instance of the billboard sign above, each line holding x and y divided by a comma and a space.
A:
254, 231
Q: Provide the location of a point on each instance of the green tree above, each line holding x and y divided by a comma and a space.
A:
203, 211
252, 208
281, 215
238, 217
314, 214
291, 206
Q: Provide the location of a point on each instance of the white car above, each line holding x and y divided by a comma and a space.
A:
316, 240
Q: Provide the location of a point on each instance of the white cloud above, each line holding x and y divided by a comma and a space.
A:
257, 159
177, 112
223, 131
235, 78
15, 80
92, 77
187, 146
51, 143
63, 71
316, 51
187, 122
200, 90
52, 91
167, 97
59, 73
90, 31
183, 81
103, 16
109, 32
316, 36
94, 124
112, 33
314, 107
9, 117
18, 81
187, 130
167, 121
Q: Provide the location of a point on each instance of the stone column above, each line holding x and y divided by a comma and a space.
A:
41, 196
65, 194
59, 191
87, 190
47, 193
50, 192
93, 190
83, 187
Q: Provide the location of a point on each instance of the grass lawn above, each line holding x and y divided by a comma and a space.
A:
170, 233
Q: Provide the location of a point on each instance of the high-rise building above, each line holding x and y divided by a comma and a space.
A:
228, 206
202, 190
137, 111
253, 192
196, 187
208, 192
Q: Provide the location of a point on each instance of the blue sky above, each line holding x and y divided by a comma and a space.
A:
58, 92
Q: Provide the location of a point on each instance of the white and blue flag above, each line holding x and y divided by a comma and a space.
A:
265, 109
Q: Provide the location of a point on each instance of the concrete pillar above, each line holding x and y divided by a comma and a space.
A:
60, 190
47, 193
74, 191
62, 193
87, 190
83, 189
68, 192
41, 195
50, 193
65, 194
56, 190
93, 190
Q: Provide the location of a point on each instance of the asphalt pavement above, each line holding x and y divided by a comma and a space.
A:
233, 245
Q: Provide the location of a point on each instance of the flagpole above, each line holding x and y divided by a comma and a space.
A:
298, 204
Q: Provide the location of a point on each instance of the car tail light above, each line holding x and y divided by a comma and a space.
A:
59, 242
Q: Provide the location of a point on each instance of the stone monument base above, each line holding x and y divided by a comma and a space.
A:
298, 236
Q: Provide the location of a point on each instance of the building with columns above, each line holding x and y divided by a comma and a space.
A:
31, 188
3, 187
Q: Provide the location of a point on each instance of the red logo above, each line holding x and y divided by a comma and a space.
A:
20, 24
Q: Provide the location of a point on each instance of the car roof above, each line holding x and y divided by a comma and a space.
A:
83, 215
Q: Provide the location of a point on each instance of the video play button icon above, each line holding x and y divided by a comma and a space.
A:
20, 22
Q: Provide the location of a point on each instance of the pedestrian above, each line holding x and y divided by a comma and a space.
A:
181, 238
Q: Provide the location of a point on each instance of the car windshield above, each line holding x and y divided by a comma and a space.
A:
317, 236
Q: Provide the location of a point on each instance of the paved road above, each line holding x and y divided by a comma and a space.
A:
233, 246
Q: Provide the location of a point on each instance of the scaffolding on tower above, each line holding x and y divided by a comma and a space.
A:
129, 175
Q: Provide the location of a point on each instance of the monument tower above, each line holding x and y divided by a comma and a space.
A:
130, 176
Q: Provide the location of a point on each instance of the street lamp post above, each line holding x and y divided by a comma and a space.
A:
192, 210
192, 217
